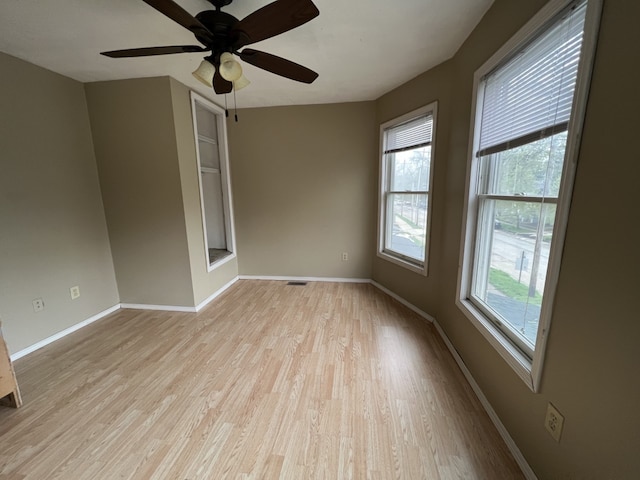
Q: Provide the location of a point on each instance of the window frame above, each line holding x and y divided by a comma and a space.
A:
528, 368
225, 177
383, 191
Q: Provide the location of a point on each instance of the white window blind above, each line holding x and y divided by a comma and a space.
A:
412, 134
531, 95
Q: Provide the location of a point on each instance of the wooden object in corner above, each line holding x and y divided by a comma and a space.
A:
9, 392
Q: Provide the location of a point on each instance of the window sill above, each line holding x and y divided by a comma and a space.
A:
519, 363
218, 263
422, 270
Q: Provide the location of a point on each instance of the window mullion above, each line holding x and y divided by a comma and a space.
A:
409, 192
518, 198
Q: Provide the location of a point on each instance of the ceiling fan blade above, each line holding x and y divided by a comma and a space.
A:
179, 15
144, 52
278, 65
220, 85
273, 19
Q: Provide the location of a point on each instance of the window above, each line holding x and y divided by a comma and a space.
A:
405, 181
215, 195
529, 100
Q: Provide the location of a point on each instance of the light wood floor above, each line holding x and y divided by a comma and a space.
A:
325, 381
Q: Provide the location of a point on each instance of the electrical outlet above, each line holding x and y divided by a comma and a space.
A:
38, 305
75, 292
553, 422
345, 256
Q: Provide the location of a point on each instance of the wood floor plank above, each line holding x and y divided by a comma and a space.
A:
327, 380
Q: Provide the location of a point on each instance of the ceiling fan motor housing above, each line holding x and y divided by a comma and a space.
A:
220, 25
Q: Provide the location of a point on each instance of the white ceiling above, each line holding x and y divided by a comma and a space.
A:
361, 48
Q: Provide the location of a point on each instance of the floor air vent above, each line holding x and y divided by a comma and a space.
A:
297, 284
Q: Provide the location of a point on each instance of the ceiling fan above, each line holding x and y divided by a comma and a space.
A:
224, 35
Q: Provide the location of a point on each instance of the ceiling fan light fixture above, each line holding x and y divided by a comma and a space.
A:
230, 69
241, 82
204, 73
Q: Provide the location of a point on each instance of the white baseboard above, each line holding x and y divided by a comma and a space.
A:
215, 294
180, 308
165, 308
410, 306
63, 333
304, 279
511, 445
134, 306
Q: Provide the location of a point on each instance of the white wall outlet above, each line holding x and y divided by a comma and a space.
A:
38, 305
75, 292
553, 422
345, 256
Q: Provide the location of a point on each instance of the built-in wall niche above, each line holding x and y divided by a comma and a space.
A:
215, 192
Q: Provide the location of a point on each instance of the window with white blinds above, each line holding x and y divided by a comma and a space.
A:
520, 178
407, 152
530, 96
412, 134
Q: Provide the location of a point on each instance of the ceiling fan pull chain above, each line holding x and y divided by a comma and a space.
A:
235, 104
226, 110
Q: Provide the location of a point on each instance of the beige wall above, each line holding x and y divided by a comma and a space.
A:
591, 363
434, 85
135, 145
304, 183
52, 227
204, 283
